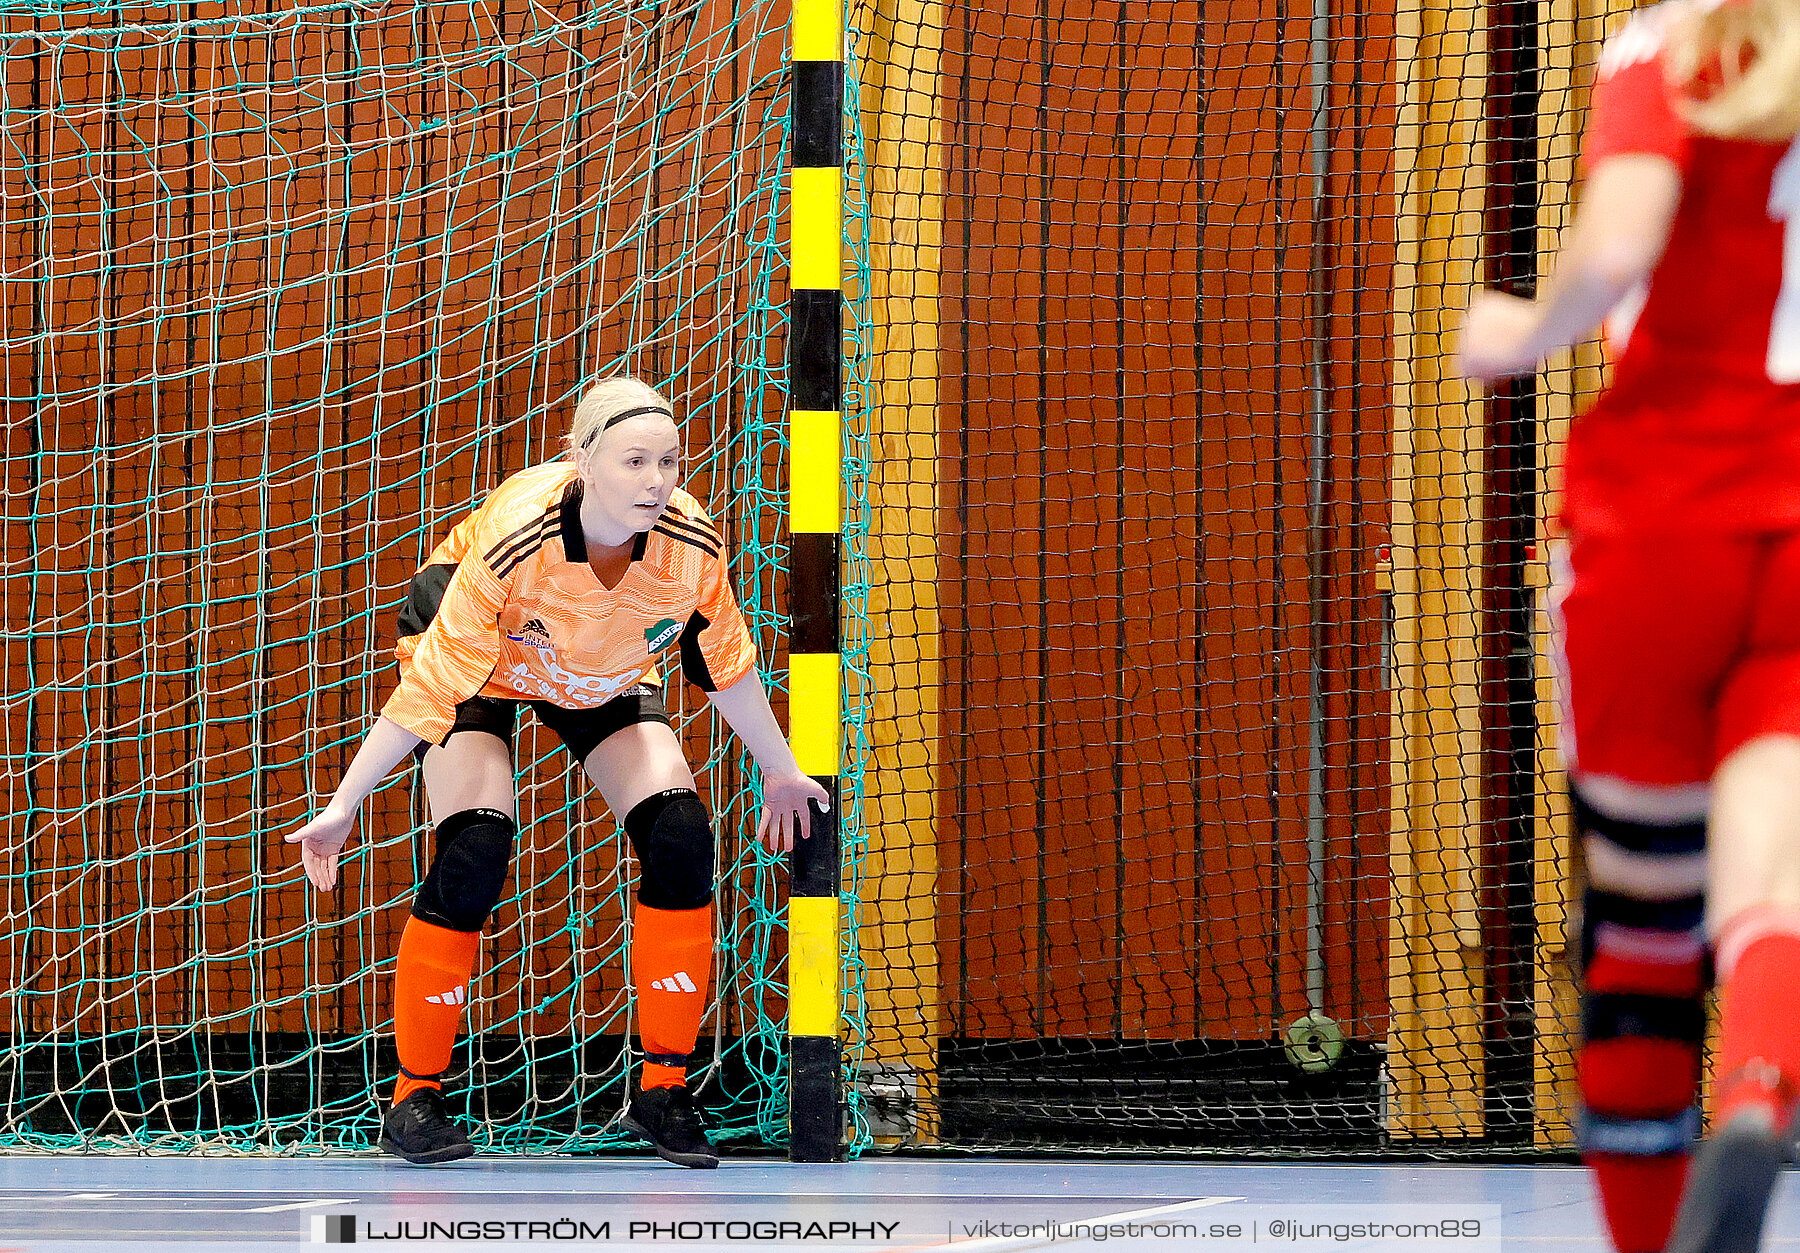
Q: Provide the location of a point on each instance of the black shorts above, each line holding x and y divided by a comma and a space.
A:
580, 730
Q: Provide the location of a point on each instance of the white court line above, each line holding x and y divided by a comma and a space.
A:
995, 1244
216, 1192
292, 1205
88, 1196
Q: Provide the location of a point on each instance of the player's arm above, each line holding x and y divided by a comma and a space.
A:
719, 657
1635, 149
1618, 236
455, 657
321, 839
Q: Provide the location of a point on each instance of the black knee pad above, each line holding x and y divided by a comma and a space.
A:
673, 839
468, 872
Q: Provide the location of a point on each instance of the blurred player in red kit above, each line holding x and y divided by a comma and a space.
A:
1676, 607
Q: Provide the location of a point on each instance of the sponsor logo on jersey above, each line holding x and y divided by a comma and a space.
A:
662, 634
562, 684
455, 996
534, 633
677, 982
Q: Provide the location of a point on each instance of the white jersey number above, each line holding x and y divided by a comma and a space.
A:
1784, 329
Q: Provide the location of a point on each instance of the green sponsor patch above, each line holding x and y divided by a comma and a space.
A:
662, 634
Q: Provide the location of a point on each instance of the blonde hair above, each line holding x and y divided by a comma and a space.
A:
607, 402
1736, 68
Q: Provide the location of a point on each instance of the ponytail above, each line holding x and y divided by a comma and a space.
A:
1735, 68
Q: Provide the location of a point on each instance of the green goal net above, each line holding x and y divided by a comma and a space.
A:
286, 290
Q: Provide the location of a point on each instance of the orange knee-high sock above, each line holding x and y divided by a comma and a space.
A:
1759, 1051
431, 986
671, 963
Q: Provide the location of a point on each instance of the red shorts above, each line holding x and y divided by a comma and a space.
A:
1674, 650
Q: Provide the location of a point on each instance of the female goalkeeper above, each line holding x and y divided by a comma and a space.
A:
556, 592
1679, 603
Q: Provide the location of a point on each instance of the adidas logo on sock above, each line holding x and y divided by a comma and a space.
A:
677, 982
454, 996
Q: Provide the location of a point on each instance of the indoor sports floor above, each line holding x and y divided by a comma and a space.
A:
50, 1204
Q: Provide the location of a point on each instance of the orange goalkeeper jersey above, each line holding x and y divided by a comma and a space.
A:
508, 606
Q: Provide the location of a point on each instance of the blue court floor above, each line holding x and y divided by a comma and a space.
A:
157, 1204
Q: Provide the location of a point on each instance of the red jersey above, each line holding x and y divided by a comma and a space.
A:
1700, 429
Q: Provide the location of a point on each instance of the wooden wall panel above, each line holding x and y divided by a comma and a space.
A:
72, 647
991, 908
272, 563
1136, 289
290, 295
152, 853
901, 47
1439, 986
1250, 699
1080, 541
1151, 258
20, 309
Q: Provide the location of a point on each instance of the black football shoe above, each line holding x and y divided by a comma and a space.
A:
1728, 1186
667, 1118
418, 1130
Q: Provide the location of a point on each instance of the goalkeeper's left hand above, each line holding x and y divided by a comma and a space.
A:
784, 814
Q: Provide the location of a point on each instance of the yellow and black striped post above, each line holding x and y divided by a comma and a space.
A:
815, 377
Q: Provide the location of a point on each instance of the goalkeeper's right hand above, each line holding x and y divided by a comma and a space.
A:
320, 841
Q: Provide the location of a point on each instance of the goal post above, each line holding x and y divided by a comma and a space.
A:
815, 568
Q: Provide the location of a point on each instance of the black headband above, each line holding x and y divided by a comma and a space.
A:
641, 412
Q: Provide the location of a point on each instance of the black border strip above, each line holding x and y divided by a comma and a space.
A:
815, 349
818, 94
